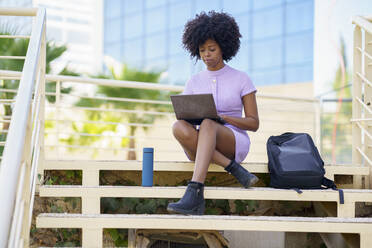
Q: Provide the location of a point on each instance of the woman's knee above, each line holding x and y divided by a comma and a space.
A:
208, 124
182, 130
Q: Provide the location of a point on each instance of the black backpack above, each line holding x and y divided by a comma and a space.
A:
295, 163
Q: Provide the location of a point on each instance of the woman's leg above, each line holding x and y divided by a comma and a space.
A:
213, 142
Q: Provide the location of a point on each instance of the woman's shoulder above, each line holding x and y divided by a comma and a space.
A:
241, 74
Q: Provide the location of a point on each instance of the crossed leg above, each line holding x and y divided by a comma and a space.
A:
212, 143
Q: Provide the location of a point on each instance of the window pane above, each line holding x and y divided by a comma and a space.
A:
113, 50
196, 67
175, 39
267, 53
154, 3
156, 20
243, 23
269, 77
236, 6
268, 23
133, 52
203, 5
301, 73
241, 60
133, 26
112, 8
131, 6
299, 16
78, 37
156, 64
260, 4
179, 70
299, 48
179, 14
155, 46
54, 34
112, 30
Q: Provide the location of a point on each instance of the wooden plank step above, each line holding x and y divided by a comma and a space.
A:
92, 225
207, 222
254, 193
135, 165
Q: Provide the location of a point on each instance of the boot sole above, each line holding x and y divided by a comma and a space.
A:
183, 211
251, 183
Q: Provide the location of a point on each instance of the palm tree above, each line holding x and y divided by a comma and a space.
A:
18, 47
130, 74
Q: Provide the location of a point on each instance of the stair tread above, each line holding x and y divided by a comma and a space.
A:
207, 217
256, 167
206, 188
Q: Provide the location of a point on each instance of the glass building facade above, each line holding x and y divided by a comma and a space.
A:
276, 44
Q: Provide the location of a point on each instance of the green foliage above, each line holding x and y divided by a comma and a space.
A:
119, 236
343, 129
126, 74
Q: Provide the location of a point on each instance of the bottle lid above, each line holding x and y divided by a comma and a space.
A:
148, 149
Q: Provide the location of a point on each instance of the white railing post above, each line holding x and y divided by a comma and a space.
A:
357, 92
368, 98
19, 134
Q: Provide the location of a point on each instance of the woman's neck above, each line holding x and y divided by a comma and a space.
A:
219, 66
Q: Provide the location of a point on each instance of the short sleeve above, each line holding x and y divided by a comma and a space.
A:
247, 86
188, 87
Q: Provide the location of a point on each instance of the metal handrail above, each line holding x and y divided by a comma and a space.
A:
14, 159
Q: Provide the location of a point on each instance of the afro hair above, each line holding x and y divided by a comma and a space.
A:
220, 27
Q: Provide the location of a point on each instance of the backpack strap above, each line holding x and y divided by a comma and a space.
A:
331, 185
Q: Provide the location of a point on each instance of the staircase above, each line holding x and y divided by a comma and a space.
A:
18, 173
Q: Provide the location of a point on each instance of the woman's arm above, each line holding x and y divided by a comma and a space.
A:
250, 121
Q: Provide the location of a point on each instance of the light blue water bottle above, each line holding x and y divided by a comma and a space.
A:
147, 166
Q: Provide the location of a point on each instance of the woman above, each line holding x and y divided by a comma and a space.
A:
214, 38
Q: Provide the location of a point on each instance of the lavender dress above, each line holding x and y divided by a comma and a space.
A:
228, 87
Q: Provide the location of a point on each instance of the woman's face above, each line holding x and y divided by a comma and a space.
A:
211, 54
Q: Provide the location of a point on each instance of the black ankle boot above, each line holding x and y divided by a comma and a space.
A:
192, 202
241, 174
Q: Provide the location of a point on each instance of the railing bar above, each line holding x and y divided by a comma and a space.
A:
364, 155
361, 119
364, 79
109, 136
12, 11
110, 123
19, 224
8, 90
117, 110
6, 103
4, 121
119, 99
33, 180
365, 53
17, 206
7, 100
13, 57
363, 104
10, 78
365, 131
14, 36
107, 148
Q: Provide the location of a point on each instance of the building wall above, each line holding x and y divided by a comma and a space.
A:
16, 24
276, 47
78, 25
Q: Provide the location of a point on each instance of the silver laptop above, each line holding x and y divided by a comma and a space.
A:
195, 108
